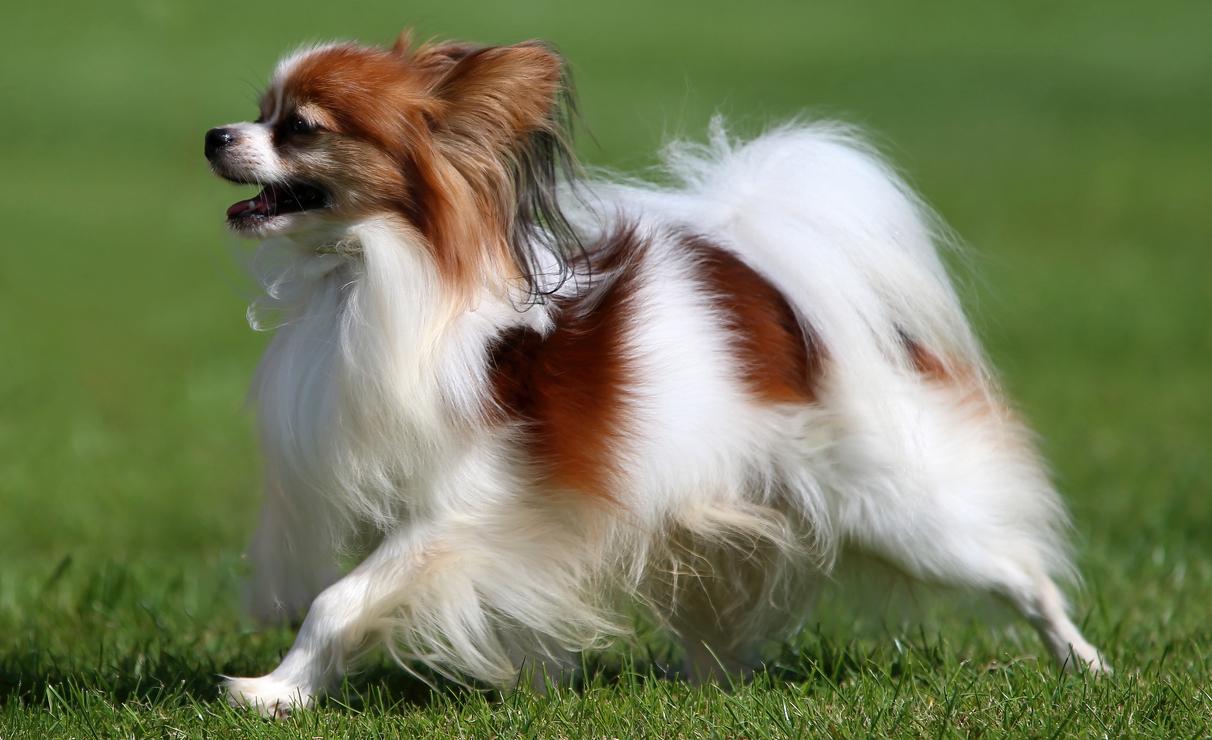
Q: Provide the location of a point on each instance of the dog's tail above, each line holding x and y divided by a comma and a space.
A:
819, 213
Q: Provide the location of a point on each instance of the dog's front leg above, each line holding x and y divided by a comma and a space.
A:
341, 617
292, 558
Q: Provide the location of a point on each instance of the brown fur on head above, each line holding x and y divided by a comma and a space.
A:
464, 142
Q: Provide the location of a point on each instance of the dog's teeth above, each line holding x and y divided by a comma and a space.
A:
252, 204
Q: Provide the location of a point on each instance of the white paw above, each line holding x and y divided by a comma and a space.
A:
1098, 665
268, 696
1085, 658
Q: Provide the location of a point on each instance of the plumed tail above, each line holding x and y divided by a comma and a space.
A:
817, 211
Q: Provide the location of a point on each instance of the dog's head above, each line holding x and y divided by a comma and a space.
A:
460, 141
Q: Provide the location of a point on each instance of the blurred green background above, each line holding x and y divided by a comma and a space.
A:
1068, 144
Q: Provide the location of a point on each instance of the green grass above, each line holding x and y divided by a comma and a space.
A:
1068, 144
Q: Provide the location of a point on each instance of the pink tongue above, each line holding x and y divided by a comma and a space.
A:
248, 206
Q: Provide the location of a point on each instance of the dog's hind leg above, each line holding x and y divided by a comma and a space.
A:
730, 594
1041, 602
717, 644
542, 664
941, 546
958, 497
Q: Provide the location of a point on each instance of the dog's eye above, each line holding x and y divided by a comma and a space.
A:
299, 125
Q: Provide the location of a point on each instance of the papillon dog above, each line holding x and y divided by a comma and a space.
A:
534, 403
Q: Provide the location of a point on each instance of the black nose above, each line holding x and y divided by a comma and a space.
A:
216, 139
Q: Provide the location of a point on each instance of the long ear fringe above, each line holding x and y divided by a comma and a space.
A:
543, 242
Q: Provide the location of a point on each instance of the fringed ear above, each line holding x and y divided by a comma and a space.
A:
505, 115
500, 94
403, 45
545, 172
440, 57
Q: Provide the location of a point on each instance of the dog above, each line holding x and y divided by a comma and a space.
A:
533, 402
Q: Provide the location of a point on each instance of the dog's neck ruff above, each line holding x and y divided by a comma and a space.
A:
375, 376
341, 247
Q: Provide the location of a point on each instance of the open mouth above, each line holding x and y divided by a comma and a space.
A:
277, 200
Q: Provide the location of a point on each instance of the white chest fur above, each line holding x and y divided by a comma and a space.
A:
372, 379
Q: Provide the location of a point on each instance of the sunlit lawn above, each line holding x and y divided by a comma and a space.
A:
1068, 146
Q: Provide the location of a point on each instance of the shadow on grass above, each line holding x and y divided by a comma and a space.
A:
71, 650
151, 675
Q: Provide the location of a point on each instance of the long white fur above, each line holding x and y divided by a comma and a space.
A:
371, 397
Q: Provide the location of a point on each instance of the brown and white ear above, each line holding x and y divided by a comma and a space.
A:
442, 56
403, 45
500, 94
431, 55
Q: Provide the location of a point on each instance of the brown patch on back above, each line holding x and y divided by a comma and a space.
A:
569, 387
780, 360
925, 362
940, 368
964, 379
